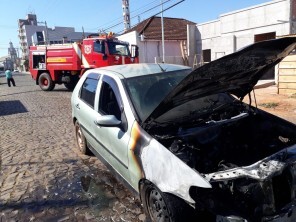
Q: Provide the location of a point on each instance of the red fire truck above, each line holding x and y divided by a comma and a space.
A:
65, 63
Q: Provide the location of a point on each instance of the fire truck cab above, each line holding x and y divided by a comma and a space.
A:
65, 63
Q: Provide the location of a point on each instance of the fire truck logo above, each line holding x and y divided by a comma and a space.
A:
87, 49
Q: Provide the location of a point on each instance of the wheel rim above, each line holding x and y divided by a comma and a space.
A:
157, 207
45, 82
80, 139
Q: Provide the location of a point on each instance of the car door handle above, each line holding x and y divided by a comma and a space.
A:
97, 124
77, 106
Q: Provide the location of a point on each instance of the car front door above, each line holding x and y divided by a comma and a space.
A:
113, 139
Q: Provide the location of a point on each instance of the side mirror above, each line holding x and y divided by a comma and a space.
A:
134, 51
107, 121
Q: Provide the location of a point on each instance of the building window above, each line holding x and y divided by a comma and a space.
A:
206, 55
40, 37
264, 36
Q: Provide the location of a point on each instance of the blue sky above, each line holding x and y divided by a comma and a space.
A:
94, 14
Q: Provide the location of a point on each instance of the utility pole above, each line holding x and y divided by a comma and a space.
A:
46, 34
162, 33
126, 15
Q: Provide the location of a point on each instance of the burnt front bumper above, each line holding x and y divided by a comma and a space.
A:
264, 191
288, 214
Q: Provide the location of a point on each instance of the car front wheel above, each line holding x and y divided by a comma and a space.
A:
163, 207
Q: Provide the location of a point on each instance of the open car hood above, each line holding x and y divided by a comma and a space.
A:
236, 73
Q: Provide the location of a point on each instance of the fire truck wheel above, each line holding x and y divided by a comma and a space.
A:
70, 86
45, 82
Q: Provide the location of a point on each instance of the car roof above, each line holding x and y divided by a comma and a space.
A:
134, 70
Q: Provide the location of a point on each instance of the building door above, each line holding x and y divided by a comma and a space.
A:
263, 37
206, 55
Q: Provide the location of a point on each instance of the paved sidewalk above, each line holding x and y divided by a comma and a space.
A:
42, 176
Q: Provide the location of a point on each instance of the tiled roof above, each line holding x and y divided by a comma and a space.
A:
174, 28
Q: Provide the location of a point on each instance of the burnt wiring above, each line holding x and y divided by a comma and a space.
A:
250, 99
255, 99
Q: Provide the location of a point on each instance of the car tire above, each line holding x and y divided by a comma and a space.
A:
71, 85
80, 139
45, 82
163, 207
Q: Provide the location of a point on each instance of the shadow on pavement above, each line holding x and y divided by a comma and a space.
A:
11, 107
43, 204
17, 93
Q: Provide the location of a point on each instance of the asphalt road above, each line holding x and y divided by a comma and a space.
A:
43, 177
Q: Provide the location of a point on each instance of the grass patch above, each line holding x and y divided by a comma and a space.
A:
269, 105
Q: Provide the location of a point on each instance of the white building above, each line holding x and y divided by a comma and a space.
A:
31, 33
148, 36
237, 29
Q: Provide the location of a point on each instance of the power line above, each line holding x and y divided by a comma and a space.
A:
159, 12
108, 28
120, 18
49, 6
144, 6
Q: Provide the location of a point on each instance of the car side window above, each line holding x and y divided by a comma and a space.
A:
108, 104
88, 90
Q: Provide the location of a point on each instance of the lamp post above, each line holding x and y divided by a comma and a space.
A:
162, 33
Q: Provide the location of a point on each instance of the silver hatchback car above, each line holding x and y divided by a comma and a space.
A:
184, 140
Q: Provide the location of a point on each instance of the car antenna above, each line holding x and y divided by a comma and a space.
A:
163, 70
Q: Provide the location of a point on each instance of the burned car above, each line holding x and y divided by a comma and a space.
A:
186, 142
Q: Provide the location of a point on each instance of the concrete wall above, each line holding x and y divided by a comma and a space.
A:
236, 29
287, 75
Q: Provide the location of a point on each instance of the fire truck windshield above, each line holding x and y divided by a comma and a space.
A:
118, 48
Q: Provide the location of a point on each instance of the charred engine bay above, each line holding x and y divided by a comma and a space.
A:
231, 137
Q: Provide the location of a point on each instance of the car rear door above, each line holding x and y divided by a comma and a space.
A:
84, 106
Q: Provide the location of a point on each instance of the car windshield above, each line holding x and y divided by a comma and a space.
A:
118, 48
146, 92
